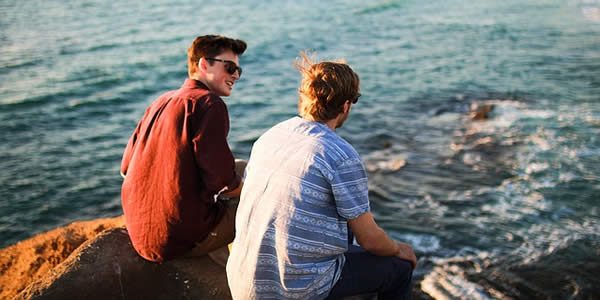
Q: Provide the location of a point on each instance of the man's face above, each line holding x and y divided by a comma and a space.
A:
218, 80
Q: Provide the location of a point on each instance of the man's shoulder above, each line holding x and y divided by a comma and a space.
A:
335, 143
198, 97
198, 94
324, 141
283, 126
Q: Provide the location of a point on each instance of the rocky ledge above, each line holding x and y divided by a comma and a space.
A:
95, 260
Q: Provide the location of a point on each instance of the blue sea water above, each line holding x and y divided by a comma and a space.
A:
495, 208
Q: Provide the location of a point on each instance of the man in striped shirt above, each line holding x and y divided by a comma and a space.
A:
304, 187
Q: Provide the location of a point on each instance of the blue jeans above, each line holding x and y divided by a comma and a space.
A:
364, 273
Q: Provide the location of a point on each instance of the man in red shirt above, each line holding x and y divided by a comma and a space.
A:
178, 161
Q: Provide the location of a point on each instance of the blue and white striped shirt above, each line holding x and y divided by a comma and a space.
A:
303, 182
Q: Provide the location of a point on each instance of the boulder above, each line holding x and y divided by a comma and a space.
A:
108, 267
30, 260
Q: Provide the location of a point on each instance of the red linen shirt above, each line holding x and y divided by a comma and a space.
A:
175, 162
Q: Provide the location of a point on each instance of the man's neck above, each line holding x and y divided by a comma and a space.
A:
332, 124
198, 78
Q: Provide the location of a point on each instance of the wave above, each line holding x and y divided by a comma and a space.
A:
380, 7
7, 66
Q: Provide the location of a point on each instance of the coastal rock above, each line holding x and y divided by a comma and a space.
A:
480, 111
31, 259
95, 260
108, 267
568, 272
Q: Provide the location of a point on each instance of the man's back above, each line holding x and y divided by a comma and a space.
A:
303, 182
168, 190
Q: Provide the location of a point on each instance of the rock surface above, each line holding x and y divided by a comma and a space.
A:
95, 260
107, 267
32, 259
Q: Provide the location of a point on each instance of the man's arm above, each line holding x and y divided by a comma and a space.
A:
373, 239
235, 193
211, 150
240, 169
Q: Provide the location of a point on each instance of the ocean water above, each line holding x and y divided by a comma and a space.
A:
506, 207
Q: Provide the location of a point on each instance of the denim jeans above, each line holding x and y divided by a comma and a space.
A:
364, 273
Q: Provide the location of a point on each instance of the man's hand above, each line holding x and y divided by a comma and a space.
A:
373, 239
405, 252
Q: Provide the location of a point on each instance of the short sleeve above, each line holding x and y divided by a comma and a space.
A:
350, 188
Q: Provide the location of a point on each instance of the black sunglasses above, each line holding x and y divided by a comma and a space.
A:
230, 66
355, 99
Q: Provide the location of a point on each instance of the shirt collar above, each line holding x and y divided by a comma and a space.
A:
318, 124
193, 84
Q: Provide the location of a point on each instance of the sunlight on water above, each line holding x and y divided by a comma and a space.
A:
478, 125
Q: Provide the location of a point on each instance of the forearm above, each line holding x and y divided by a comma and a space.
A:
380, 244
372, 237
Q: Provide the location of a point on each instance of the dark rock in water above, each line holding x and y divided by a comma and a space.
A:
477, 110
109, 268
567, 273
480, 111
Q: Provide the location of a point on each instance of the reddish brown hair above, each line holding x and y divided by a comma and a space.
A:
325, 87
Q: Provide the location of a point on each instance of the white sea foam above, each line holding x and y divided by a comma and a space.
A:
536, 167
448, 279
543, 239
420, 242
591, 13
386, 160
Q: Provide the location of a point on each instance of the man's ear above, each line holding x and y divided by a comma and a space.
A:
201, 65
347, 107
198, 69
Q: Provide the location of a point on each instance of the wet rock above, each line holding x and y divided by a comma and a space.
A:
480, 111
570, 272
566, 273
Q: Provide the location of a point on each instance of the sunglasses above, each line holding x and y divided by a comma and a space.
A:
230, 66
355, 99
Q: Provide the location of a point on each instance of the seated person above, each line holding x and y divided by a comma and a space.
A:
304, 187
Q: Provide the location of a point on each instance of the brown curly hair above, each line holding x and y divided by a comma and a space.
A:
325, 87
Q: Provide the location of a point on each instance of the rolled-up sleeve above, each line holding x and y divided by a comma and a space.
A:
212, 152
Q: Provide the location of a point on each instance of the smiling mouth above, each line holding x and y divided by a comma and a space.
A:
229, 84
